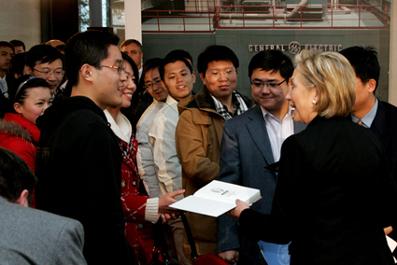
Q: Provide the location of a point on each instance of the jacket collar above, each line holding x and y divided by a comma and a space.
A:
55, 114
29, 126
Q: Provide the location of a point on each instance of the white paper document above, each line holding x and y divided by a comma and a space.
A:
216, 198
392, 245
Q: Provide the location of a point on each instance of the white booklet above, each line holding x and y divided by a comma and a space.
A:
392, 246
216, 198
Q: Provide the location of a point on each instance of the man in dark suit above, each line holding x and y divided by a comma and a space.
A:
379, 116
250, 147
31, 235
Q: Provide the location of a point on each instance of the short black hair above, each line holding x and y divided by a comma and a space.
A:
150, 64
173, 57
272, 60
216, 53
18, 62
89, 47
6, 44
42, 53
15, 176
181, 53
25, 83
364, 61
17, 43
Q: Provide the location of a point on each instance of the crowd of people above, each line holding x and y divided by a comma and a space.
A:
101, 142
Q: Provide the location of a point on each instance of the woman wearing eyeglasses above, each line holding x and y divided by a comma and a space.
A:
333, 192
18, 130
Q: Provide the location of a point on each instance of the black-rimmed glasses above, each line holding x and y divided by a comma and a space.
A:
48, 71
256, 83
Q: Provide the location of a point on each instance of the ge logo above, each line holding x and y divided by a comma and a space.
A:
294, 47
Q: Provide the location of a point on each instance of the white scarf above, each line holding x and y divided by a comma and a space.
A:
121, 126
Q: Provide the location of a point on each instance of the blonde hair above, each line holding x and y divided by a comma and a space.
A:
331, 74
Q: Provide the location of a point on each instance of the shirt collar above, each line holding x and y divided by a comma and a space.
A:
266, 114
369, 117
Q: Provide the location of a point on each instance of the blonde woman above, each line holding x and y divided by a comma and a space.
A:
333, 190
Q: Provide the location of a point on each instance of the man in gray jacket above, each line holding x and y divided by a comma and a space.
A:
27, 234
250, 151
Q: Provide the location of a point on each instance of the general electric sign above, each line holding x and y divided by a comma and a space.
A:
295, 47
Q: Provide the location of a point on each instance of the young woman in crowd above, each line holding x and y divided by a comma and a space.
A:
18, 130
138, 208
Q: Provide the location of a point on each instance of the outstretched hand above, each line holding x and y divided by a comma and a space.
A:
240, 206
169, 198
166, 200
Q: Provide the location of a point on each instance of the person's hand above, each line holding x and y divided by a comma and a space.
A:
388, 230
231, 256
240, 206
167, 216
169, 198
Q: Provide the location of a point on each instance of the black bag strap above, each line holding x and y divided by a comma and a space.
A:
189, 235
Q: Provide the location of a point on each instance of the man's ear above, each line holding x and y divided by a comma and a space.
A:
371, 85
27, 70
86, 72
202, 77
23, 198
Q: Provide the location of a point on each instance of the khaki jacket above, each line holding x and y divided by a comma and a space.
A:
198, 141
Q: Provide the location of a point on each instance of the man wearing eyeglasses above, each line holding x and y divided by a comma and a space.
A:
251, 145
46, 62
79, 163
157, 90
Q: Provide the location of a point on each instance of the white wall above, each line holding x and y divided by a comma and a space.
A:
20, 19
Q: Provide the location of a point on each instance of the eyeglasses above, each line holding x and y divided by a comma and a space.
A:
150, 84
261, 84
48, 71
217, 73
118, 67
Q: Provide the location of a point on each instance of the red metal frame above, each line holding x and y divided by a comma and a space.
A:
218, 14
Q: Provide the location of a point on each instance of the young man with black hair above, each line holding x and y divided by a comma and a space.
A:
251, 144
157, 90
79, 162
46, 62
19, 46
6, 81
177, 75
379, 116
199, 132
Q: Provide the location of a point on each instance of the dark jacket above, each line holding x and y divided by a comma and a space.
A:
79, 166
385, 127
331, 199
246, 159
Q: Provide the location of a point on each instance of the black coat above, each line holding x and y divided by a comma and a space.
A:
385, 127
79, 167
331, 198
